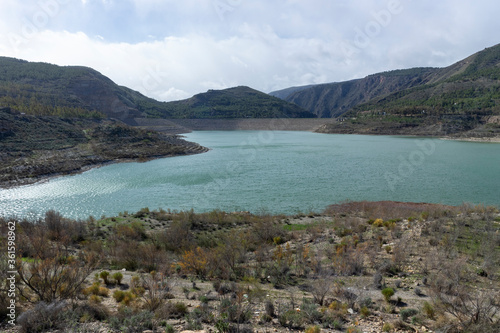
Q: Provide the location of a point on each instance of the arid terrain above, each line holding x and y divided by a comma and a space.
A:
356, 267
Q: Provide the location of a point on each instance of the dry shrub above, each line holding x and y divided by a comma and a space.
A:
157, 287
134, 255
265, 230
133, 231
195, 262
178, 237
453, 294
55, 273
390, 209
43, 317
321, 288
348, 261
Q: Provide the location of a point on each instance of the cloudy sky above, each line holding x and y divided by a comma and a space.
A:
172, 49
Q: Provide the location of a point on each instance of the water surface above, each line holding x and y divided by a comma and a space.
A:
276, 172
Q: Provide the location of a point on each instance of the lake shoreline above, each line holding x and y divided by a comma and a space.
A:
26, 181
32, 180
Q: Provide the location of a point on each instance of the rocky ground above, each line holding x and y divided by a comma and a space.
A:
35, 148
309, 272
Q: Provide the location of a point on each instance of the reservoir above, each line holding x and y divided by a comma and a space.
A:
274, 172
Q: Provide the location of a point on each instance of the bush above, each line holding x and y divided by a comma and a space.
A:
130, 322
353, 329
96, 290
104, 276
118, 277
428, 310
291, 319
92, 311
269, 307
173, 310
364, 311
366, 302
124, 297
52, 275
388, 293
169, 329
119, 295
42, 317
310, 312
377, 280
313, 329
387, 327
407, 313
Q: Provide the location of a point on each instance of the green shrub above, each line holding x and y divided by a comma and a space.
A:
407, 313
104, 276
291, 319
364, 311
366, 302
118, 277
119, 295
124, 297
313, 329
388, 293
173, 310
169, 329
428, 310
222, 325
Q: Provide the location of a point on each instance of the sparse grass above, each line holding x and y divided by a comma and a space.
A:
257, 264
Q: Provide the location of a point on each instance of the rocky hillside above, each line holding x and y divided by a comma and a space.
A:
469, 85
39, 146
334, 99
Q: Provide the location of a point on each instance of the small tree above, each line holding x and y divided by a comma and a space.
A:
53, 275
321, 288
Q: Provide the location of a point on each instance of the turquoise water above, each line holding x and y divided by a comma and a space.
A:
276, 172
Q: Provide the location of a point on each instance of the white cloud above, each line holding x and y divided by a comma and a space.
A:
267, 45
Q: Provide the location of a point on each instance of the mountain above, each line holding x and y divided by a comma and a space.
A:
334, 99
238, 102
478, 72
39, 146
74, 91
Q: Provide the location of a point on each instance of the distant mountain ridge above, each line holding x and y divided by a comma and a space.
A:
69, 91
372, 92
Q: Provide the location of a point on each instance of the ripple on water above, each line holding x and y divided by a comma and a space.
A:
285, 173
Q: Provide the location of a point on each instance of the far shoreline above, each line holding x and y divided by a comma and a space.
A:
226, 125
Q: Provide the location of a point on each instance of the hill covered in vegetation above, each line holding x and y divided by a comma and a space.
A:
237, 102
38, 146
74, 91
